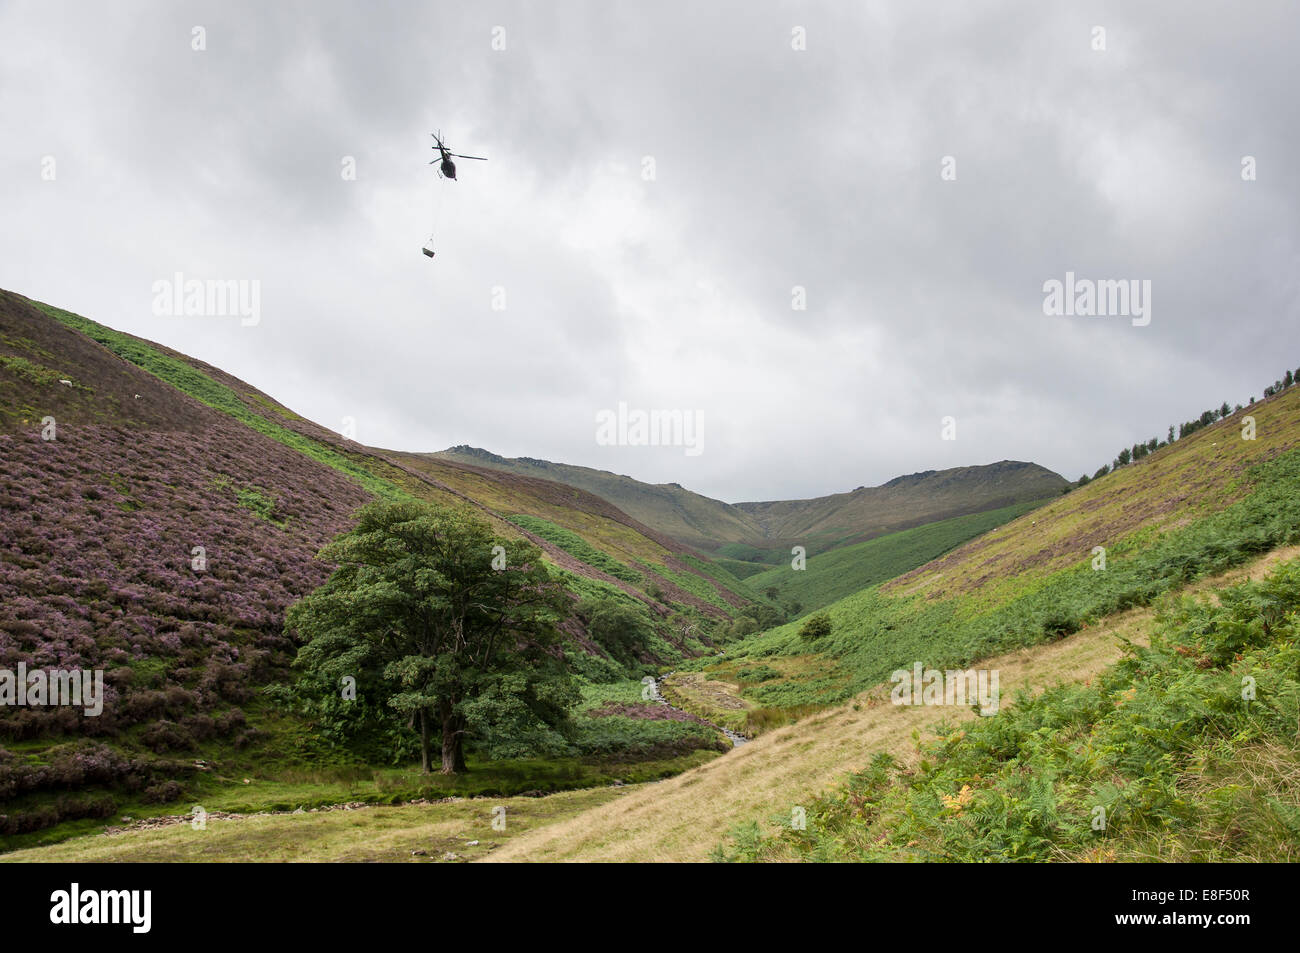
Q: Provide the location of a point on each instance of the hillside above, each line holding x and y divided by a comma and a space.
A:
176, 512
160, 516
377, 472
827, 577
741, 805
672, 510
1198, 506
765, 532
1183, 750
904, 502
1026, 601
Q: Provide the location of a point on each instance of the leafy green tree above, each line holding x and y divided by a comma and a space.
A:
815, 627
454, 625
616, 627
764, 616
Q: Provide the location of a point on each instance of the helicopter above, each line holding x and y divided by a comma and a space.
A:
448, 168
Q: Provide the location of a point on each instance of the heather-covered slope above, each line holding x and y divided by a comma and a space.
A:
98, 542
171, 517
497, 496
103, 524
36, 353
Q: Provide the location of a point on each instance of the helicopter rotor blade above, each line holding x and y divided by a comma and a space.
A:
459, 156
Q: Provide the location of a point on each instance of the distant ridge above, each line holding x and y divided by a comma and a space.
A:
749, 530
908, 479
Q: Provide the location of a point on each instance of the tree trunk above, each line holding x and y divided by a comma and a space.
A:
424, 742
453, 751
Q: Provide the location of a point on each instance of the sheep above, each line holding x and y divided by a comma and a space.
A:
64, 380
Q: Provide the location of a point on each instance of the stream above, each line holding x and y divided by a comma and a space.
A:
735, 738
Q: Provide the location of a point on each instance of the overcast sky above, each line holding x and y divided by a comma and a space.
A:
773, 167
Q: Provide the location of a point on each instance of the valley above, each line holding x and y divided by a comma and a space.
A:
161, 518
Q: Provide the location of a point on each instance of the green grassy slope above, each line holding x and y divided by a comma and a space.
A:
1183, 751
1201, 505
841, 572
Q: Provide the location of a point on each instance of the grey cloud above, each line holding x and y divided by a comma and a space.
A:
775, 168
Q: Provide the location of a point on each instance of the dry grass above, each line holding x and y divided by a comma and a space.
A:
1253, 801
371, 834
683, 818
